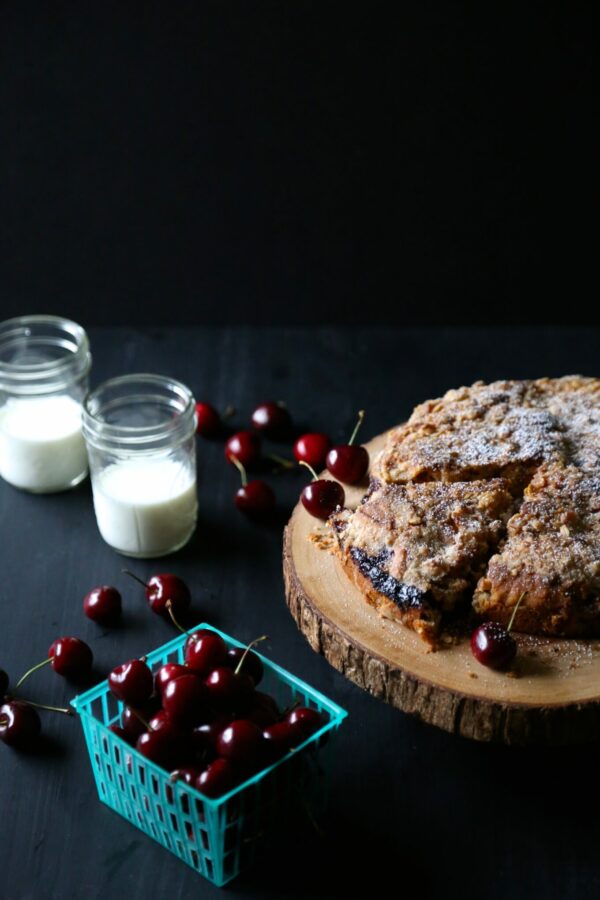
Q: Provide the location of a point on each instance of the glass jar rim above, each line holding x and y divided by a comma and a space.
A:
49, 375
105, 435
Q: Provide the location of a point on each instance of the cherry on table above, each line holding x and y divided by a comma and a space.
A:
251, 665
322, 496
492, 645
208, 420
71, 657
219, 777
19, 724
204, 651
272, 419
245, 446
4, 682
132, 682
103, 605
349, 462
160, 589
254, 498
312, 448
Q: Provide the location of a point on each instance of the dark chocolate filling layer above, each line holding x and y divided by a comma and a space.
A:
405, 596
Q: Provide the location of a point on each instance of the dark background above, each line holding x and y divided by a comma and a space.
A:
298, 162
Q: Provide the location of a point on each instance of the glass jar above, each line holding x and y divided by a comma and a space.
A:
140, 436
44, 367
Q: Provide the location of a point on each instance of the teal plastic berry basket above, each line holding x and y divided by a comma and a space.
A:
218, 837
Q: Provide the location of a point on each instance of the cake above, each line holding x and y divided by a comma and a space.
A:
485, 495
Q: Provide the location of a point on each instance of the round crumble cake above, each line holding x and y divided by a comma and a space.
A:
490, 493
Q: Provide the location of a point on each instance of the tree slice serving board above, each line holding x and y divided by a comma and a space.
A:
552, 697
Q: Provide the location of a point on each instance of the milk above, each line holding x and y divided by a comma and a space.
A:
41, 445
145, 506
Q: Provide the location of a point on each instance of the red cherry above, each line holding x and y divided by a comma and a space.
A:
121, 733
304, 721
272, 419
312, 449
228, 689
241, 742
188, 775
204, 737
131, 724
493, 646
245, 446
184, 700
322, 497
260, 714
161, 747
205, 650
218, 778
4, 682
167, 673
162, 588
251, 666
279, 738
349, 462
255, 498
103, 605
132, 682
70, 657
208, 420
19, 724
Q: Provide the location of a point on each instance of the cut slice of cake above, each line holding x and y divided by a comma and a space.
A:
417, 550
551, 555
484, 431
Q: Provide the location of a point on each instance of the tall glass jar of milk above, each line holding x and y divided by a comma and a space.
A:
140, 435
44, 367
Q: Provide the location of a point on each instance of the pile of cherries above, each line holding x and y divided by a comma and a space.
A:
204, 720
347, 463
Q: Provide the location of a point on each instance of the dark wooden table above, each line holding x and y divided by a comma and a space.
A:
407, 801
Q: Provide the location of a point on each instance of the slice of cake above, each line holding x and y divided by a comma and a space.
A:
417, 550
484, 431
552, 556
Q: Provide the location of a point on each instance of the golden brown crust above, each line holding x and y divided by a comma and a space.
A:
551, 556
421, 547
544, 433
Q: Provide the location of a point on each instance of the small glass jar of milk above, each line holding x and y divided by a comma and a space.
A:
140, 435
44, 367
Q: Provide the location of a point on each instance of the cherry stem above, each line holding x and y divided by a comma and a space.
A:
135, 577
169, 607
265, 637
241, 469
58, 709
3, 720
146, 724
514, 612
281, 461
33, 669
361, 416
310, 469
228, 412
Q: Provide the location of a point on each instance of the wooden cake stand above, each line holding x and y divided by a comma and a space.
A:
551, 697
